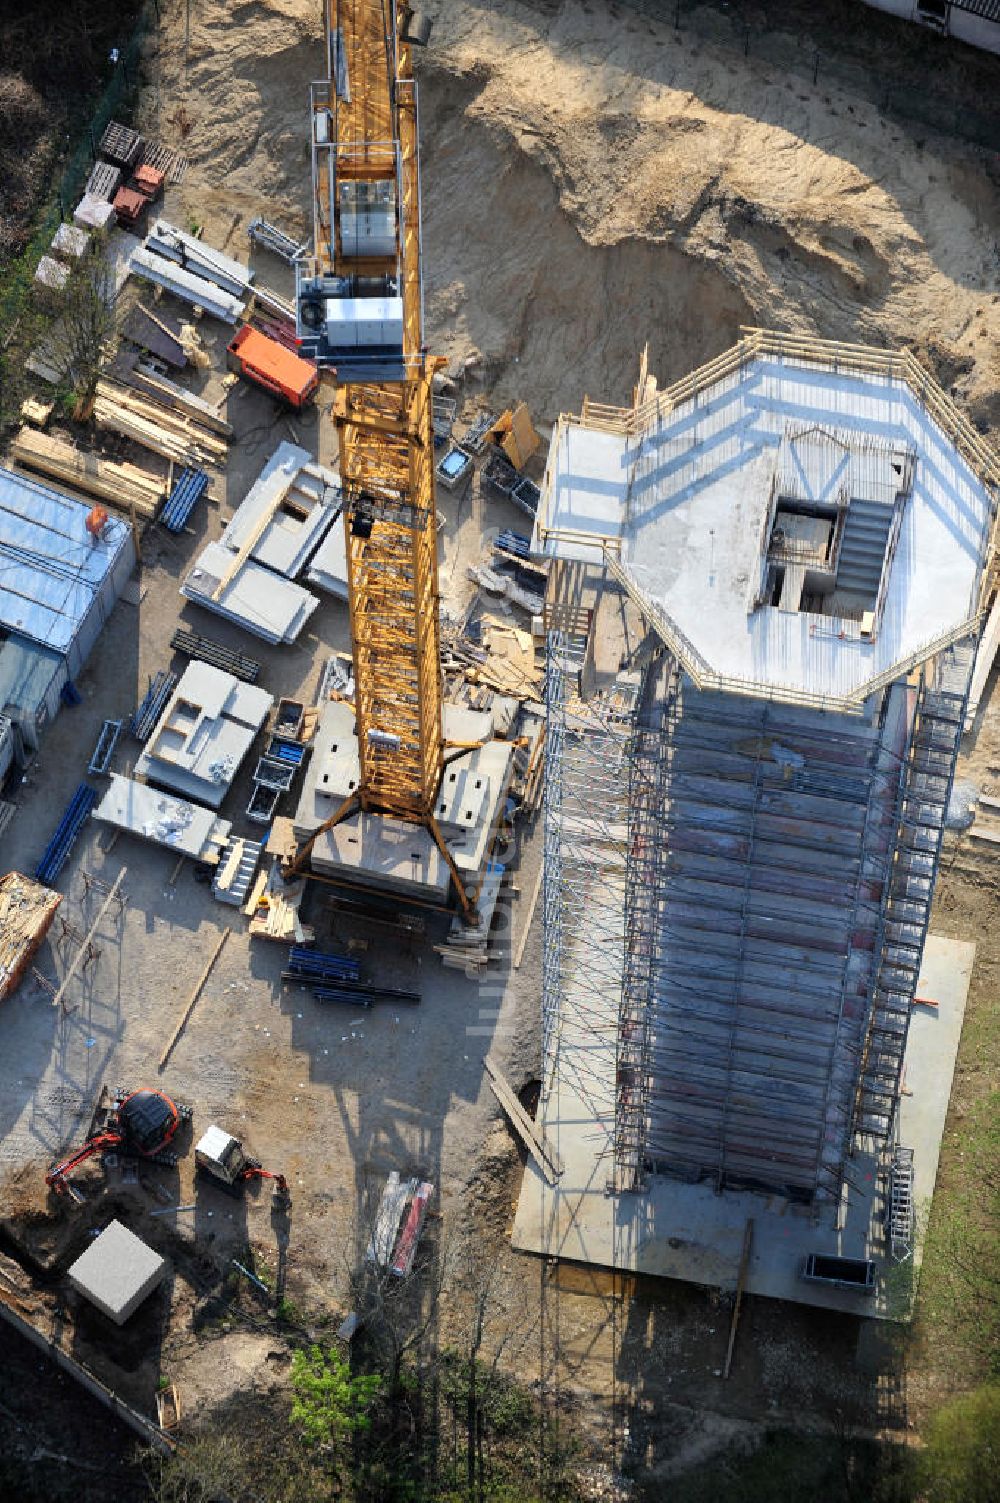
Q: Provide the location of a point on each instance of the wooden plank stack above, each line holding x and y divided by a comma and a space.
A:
26, 912
124, 486
174, 433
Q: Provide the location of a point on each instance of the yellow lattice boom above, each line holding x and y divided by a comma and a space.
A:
385, 429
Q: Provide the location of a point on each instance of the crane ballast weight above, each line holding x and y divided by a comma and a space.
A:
359, 302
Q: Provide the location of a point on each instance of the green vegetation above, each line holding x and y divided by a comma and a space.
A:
57, 86
330, 1402
961, 1462
958, 1309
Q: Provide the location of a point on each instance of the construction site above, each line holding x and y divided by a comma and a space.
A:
499, 601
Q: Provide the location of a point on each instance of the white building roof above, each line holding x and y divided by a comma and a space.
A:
689, 500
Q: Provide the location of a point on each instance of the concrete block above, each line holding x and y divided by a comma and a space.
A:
117, 1272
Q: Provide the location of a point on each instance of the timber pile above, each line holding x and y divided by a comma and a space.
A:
169, 394
26, 912
175, 435
273, 909
122, 485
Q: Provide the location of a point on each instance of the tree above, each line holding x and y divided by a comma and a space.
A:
331, 1403
85, 323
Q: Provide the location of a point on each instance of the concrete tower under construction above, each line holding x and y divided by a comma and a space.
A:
761, 632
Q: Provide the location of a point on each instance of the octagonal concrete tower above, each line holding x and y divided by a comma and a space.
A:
761, 635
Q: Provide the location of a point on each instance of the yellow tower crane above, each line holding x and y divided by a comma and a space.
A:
359, 300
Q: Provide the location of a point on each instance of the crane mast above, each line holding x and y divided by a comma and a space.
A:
359, 301
360, 311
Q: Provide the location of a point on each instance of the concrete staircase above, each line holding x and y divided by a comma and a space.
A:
862, 547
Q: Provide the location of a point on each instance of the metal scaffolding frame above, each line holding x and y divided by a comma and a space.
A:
925, 788
585, 851
647, 854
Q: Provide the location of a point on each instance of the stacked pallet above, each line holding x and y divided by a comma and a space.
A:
26, 912
124, 486
121, 145
167, 431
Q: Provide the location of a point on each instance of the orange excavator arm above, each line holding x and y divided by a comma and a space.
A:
57, 1175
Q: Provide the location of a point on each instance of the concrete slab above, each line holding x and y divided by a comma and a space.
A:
117, 1272
262, 602
690, 500
388, 853
687, 1231
204, 733
175, 823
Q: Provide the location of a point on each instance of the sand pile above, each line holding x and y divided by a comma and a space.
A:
593, 180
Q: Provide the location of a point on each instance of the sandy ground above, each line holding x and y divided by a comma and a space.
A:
592, 181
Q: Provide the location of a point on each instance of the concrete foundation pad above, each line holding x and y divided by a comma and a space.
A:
687, 1231
117, 1272
392, 855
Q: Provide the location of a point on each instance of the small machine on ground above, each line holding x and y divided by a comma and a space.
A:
222, 1156
270, 365
143, 1123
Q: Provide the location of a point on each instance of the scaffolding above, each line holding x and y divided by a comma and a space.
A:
586, 831
735, 900
648, 854
925, 789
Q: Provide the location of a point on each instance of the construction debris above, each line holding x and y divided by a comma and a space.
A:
273, 909
122, 485
513, 433
495, 583
26, 913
